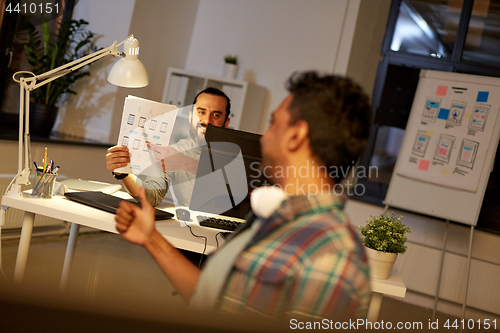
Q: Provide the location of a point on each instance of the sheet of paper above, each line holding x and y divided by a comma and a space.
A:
145, 121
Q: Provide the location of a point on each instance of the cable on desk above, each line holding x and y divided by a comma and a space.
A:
198, 236
175, 292
1, 266
3, 215
216, 240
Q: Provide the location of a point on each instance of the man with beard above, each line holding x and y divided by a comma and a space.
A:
179, 161
298, 256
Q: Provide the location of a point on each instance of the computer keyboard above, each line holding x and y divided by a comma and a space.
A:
213, 222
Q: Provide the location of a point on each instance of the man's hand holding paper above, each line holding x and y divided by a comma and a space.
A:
117, 157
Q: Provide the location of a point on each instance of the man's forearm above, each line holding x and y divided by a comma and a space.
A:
192, 166
156, 188
178, 269
130, 184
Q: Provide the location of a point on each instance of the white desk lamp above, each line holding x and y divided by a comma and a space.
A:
127, 72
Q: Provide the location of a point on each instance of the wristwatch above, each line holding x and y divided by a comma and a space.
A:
120, 176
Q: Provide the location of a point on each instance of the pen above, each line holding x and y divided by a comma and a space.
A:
37, 167
54, 171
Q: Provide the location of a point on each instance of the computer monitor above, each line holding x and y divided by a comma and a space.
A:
220, 186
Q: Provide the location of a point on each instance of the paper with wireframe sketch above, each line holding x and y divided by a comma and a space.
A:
143, 122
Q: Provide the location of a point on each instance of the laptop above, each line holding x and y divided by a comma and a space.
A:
228, 170
109, 203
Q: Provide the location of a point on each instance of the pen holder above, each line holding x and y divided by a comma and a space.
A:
44, 185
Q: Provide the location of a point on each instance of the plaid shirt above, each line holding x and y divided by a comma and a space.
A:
306, 261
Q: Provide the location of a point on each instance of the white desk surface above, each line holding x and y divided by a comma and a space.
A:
176, 232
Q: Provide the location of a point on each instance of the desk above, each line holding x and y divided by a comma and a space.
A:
174, 231
77, 214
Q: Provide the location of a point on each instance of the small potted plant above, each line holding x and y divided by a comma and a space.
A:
231, 66
384, 237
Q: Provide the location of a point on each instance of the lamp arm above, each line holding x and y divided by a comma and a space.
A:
112, 49
61, 71
28, 84
54, 74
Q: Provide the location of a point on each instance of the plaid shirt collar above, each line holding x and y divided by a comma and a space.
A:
295, 207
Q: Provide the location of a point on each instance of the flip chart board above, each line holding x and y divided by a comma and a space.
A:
449, 146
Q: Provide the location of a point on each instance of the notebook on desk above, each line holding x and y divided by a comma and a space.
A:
90, 185
109, 203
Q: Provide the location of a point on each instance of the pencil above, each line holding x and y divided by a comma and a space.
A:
45, 160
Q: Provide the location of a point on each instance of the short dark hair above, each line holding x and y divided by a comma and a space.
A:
338, 113
216, 92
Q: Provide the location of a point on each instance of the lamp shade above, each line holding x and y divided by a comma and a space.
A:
129, 71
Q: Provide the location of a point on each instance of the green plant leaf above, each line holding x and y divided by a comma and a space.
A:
46, 36
229, 59
69, 42
385, 233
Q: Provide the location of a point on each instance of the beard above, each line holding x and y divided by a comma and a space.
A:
197, 134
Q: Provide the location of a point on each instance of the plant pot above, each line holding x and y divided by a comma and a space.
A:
230, 71
42, 119
380, 263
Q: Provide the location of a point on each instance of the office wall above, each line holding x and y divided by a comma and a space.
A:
272, 39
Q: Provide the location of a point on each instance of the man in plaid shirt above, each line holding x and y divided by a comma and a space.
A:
298, 256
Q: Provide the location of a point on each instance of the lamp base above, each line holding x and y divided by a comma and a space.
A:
14, 190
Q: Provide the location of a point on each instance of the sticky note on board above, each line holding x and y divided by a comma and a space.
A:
482, 96
467, 116
443, 113
445, 172
442, 151
441, 90
424, 165
430, 132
